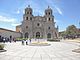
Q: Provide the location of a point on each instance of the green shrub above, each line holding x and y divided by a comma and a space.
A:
19, 39
56, 40
1, 46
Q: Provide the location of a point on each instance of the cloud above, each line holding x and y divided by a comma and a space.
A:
7, 19
11, 21
8, 28
18, 11
55, 20
15, 24
53, 4
59, 10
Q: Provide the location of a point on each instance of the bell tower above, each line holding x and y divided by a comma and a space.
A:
27, 22
48, 11
28, 10
49, 15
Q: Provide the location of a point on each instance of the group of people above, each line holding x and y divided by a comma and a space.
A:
27, 41
6, 39
71, 36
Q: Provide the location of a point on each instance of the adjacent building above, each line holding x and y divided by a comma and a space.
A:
9, 33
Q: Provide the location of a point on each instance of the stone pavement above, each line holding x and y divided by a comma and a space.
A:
56, 51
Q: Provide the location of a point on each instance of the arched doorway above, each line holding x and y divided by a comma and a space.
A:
37, 34
49, 35
26, 35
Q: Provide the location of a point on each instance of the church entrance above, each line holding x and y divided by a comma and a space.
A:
37, 34
26, 35
49, 35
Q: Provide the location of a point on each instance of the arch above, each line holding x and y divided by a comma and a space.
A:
38, 24
26, 35
49, 35
26, 18
49, 27
49, 18
37, 34
49, 13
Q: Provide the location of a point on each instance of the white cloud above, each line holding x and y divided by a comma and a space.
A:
59, 10
15, 24
8, 28
18, 11
55, 20
53, 4
58, 21
7, 19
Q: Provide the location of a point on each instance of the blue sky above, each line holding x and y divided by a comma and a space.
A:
66, 12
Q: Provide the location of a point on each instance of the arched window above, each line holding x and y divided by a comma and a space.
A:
30, 18
26, 35
26, 18
26, 27
49, 13
49, 19
48, 27
38, 24
49, 35
37, 34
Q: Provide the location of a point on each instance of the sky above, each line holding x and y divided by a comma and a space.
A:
66, 12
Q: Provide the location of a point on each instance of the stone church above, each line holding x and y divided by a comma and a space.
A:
38, 26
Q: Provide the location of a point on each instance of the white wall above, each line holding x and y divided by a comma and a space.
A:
9, 33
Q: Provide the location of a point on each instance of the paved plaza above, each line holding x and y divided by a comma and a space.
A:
56, 51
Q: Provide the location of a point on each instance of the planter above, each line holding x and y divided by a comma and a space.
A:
1, 46
76, 50
54, 40
39, 44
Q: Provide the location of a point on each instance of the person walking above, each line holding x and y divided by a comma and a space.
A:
22, 42
4, 40
30, 40
26, 42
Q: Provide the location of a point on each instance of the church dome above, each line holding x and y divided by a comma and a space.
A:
28, 10
48, 11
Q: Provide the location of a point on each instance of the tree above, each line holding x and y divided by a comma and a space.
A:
62, 33
71, 30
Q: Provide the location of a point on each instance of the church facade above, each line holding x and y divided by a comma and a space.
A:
39, 26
